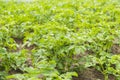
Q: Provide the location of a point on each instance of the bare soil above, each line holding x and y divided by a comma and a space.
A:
92, 74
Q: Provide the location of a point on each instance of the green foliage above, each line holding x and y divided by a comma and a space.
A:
54, 39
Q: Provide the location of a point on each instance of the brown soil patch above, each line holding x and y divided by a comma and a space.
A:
92, 74
20, 46
115, 49
15, 71
89, 74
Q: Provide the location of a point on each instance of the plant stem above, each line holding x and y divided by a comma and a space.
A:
106, 76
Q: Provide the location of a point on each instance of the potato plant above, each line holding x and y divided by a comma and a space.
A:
57, 39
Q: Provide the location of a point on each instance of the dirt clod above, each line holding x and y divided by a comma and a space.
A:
115, 49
